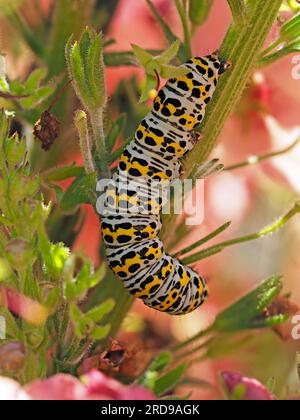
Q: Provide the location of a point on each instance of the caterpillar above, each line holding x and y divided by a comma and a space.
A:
131, 221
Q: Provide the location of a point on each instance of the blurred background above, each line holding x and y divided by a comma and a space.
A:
33, 33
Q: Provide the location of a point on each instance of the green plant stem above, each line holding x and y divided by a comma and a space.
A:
185, 25
189, 341
270, 229
180, 357
242, 47
124, 58
99, 141
253, 160
238, 10
85, 141
202, 241
112, 288
271, 47
164, 26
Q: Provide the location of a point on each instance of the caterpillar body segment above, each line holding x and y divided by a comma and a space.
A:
138, 190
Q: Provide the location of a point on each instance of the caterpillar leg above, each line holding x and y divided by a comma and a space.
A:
209, 168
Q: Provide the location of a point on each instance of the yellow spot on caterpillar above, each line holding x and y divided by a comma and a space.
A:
152, 94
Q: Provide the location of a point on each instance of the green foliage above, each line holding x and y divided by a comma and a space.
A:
250, 311
75, 305
238, 10
216, 249
86, 69
30, 93
45, 275
287, 43
70, 17
199, 11
81, 191
160, 378
157, 66
86, 325
258, 309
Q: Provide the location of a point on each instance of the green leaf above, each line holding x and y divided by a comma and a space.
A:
170, 53
247, 313
150, 84
290, 30
170, 380
199, 11
76, 285
14, 149
116, 130
82, 191
164, 26
63, 173
35, 78
97, 313
170, 72
85, 44
282, 52
115, 155
142, 55
38, 97
121, 58
75, 313
99, 333
161, 362
53, 256
79, 76
59, 255
52, 300
95, 71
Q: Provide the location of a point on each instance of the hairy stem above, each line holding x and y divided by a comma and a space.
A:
268, 230
253, 160
242, 47
99, 141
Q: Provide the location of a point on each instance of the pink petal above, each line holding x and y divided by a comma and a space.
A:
23, 306
59, 387
99, 386
254, 390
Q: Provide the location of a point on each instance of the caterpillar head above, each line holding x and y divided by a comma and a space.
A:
223, 64
210, 67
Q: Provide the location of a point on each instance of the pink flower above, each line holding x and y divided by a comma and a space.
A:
94, 386
253, 389
98, 385
23, 306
